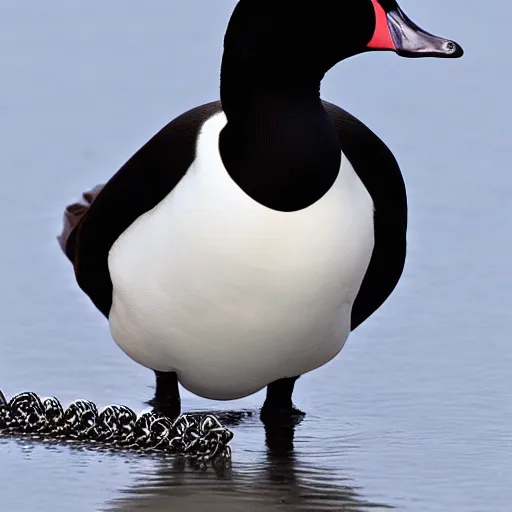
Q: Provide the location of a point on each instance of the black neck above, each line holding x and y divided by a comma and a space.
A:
279, 144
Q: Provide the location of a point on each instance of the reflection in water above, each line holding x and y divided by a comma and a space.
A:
277, 480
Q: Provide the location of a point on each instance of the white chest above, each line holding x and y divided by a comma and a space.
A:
230, 294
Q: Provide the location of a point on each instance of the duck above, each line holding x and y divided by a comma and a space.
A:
240, 246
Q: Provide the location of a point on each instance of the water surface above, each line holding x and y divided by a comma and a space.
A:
415, 414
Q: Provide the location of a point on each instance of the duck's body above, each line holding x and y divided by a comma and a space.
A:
243, 243
202, 280
230, 294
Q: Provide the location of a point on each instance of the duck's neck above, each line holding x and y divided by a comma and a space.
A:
279, 144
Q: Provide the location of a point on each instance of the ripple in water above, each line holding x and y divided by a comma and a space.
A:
281, 467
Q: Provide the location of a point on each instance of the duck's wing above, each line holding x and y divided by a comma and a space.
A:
91, 228
379, 171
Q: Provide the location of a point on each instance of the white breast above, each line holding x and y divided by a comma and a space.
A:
230, 294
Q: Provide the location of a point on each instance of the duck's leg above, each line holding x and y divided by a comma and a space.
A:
278, 404
167, 395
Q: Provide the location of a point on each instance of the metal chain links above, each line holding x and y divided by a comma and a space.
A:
200, 437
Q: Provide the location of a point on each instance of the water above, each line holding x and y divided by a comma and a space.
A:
415, 414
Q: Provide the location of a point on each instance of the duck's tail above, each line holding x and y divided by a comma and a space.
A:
73, 214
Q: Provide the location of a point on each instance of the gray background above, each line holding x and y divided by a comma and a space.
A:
415, 413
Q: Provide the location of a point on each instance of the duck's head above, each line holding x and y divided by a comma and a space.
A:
320, 33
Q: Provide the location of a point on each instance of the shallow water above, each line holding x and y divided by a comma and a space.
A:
415, 414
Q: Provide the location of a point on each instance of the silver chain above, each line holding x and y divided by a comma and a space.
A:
200, 437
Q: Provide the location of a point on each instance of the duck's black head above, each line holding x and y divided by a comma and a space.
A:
316, 34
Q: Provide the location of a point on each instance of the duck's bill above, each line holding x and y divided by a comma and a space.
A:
395, 31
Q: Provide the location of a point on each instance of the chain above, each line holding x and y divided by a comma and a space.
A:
200, 437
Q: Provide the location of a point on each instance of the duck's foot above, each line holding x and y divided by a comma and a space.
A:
167, 400
171, 411
281, 415
278, 407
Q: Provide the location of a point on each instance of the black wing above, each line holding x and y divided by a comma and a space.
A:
378, 170
90, 230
